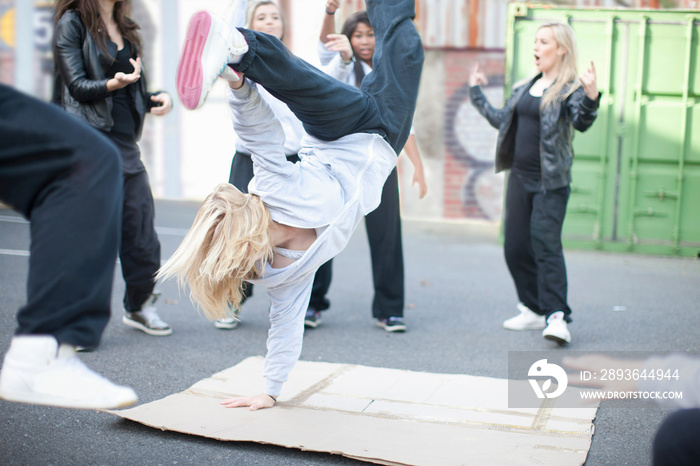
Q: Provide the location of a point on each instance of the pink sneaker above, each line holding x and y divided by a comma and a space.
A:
210, 45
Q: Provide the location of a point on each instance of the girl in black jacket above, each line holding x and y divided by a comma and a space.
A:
535, 142
100, 79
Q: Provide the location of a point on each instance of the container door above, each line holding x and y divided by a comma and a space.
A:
636, 173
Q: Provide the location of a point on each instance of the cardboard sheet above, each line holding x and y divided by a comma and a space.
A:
385, 416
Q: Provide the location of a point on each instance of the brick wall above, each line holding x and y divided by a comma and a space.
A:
470, 188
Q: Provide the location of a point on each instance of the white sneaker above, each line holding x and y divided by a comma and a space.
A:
37, 371
526, 320
229, 323
147, 319
210, 45
557, 330
226, 324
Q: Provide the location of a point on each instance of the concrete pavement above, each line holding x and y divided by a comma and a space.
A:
458, 293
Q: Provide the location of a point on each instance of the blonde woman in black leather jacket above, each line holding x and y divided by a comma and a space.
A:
536, 129
100, 79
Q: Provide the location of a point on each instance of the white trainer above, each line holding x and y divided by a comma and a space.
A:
37, 371
557, 329
526, 320
210, 45
228, 323
147, 319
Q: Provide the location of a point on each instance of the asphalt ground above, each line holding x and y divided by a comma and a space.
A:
458, 292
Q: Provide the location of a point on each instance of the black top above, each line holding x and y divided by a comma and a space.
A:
526, 156
123, 111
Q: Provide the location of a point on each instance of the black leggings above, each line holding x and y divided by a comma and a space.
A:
533, 249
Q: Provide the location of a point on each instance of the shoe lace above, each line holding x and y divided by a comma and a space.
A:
150, 314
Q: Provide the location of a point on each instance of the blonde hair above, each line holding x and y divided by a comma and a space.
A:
253, 6
567, 81
228, 243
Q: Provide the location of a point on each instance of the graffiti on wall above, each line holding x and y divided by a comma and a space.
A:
472, 143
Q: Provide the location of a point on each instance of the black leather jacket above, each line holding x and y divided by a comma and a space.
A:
80, 84
556, 131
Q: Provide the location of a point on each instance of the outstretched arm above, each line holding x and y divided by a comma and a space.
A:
325, 43
287, 310
328, 25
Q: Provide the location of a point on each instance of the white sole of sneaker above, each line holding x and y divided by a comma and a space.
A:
143, 328
526, 327
205, 40
200, 41
310, 324
189, 70
48, 400
557, 339
392, 328
226, 325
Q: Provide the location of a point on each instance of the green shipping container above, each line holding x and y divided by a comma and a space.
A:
636, 173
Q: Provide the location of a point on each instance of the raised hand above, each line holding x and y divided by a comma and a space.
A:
332, 6
477, 76
340, 43
588, 82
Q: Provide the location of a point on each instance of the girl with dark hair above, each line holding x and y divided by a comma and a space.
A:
355, 49
100, 79
348, 57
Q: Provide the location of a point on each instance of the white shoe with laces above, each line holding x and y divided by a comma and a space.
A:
147, 319
37, 371
557, 329
228, 323
210, 45
526, 320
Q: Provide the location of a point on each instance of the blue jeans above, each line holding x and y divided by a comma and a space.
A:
330, 109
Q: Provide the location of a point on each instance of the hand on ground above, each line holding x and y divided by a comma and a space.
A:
254, 402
